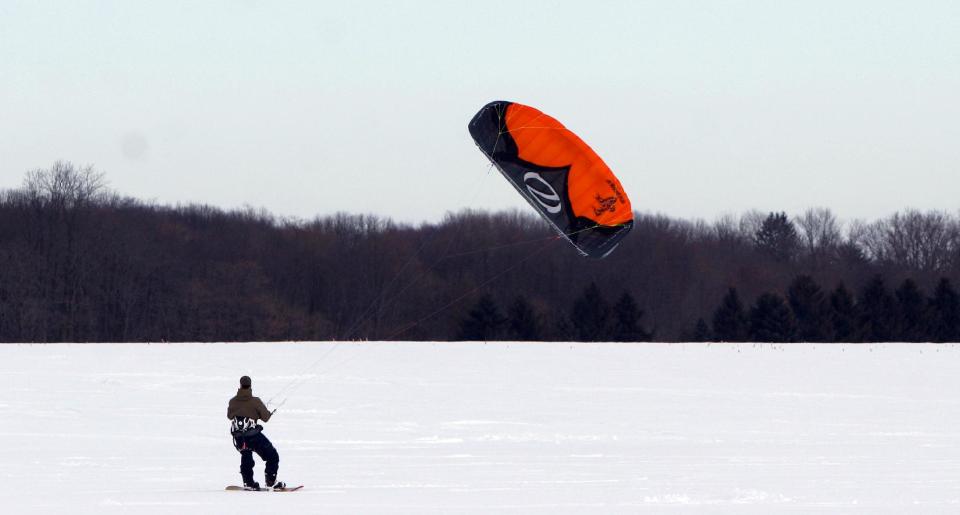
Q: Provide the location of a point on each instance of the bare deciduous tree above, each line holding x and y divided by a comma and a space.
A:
924, 242
820, 234
65, 185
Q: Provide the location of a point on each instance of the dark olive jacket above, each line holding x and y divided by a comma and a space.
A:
246, 405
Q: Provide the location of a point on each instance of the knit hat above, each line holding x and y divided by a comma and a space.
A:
245, 382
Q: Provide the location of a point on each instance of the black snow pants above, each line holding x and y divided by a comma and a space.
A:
259, 444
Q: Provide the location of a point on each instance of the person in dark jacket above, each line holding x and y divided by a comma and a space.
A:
244, 410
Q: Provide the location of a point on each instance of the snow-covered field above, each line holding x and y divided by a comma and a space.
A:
486, 428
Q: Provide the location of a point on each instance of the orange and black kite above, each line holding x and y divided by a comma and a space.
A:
558, 174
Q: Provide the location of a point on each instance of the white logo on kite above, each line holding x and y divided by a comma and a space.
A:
548, 199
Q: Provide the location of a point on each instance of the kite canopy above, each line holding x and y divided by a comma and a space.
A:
558, 174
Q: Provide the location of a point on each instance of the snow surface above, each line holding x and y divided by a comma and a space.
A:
486, 428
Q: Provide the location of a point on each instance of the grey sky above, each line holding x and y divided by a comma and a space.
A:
308, 108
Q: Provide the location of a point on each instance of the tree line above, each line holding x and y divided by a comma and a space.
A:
809, 314
591, 319
79, 262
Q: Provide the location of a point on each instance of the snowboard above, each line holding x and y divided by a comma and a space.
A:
234, 488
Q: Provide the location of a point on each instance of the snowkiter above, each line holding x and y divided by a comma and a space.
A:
244, 411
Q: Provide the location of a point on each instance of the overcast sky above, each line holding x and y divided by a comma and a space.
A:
306, 108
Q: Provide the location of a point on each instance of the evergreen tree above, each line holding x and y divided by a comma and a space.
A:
701, 333
563, 330
877, 312
777, 237
730, 320
590, 315
523, 322
945, 313
771, 320
843, 314
626, 321
483, 322
911, 307
811, 310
